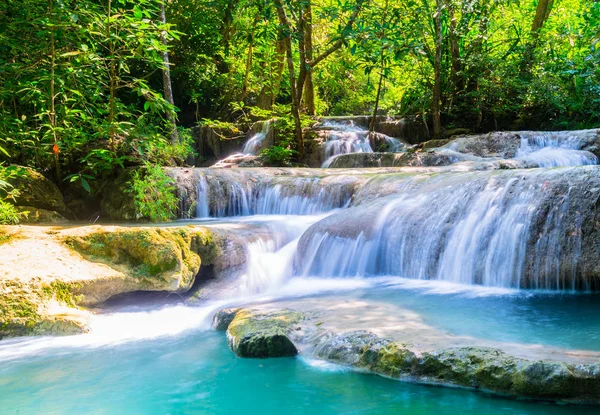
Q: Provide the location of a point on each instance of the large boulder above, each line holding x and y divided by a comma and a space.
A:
75, 267
118, 202
39, 196
253, 333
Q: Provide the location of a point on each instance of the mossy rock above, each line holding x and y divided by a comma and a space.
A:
223, 319
35, 215
255, 334
36, 191
160, 259
478, 368
24, 309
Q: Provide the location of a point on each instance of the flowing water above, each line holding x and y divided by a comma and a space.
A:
347, 137
493, 257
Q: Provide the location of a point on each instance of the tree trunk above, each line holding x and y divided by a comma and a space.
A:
270, 91
542, 13
437, 84
167, 86
52, 114
382, 74
309, 88
457, 77
283, 20
112, 74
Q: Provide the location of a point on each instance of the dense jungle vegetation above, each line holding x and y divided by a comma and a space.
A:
89, 87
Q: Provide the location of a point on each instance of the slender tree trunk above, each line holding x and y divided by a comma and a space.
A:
382, 74
270, 90
309, 88
247, 71
52, 114
167, 85
112, 80
283, 20
457, 77
437, 84
542, 12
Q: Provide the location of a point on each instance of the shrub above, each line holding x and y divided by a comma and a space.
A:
154, 194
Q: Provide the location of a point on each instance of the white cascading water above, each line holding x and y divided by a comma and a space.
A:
305, 196
466, 228
554, 149
490, 228
346, 137
254, 143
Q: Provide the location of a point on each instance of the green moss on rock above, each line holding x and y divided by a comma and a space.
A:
255, 334
473, 367
156, 258
23, 309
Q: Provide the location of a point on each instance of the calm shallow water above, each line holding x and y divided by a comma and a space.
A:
197, 374
560, 320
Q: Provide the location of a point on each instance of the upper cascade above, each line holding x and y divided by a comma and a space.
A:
344, 137
496, 150
227, 194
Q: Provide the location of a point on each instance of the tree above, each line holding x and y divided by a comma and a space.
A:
303, 18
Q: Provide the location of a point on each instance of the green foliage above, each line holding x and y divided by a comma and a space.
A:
277, 156
154, 194
9, 215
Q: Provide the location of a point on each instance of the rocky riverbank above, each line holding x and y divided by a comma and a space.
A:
276, 330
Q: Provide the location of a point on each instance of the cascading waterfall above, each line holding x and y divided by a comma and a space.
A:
254, 143
500, 229
554, 149
305, 196
495, 228
344, 138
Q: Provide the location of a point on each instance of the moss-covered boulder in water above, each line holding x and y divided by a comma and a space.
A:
479, 368
252, 333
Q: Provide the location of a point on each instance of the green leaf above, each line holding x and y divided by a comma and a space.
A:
86, 185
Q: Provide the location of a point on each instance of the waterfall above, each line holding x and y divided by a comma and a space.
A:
553, 149
254, 143
220, 197
346, 137
515, 229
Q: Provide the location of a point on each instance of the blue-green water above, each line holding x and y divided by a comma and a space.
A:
551, 319
197, 374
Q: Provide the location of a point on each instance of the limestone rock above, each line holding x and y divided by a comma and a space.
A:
258, 334
223, 319
35, 215
118, 202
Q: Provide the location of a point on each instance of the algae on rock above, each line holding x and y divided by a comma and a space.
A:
252, 333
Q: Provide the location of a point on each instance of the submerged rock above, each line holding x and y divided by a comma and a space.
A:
473, 367
253, 333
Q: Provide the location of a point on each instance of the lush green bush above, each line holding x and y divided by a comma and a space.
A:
154, 194
9, 215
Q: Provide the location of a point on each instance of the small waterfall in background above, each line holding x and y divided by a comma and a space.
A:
305, 196
347, 137
554, 149
254, 143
